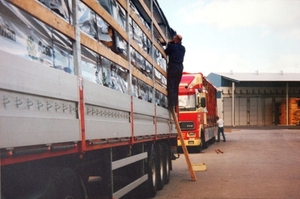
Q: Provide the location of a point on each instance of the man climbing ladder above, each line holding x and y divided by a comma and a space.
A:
176, 53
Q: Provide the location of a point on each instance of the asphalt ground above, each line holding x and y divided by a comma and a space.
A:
255, 164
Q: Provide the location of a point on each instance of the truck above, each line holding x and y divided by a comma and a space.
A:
197, 111
83, 109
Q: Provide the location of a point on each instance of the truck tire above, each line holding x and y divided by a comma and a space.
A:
160, 162
151, 185
167, 162
46, 183
195, 149
64, 184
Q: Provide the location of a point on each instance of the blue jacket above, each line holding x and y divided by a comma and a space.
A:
176, 52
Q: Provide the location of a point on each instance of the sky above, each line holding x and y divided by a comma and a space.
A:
237, 35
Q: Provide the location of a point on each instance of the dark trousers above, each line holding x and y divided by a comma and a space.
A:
221, 130
173, 81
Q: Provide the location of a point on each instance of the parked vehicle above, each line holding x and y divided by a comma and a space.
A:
197, 111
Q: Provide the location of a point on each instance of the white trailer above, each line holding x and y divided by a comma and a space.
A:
83, 90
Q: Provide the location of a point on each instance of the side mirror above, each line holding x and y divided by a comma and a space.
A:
203, 102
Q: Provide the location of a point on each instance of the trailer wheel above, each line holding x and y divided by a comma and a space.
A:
167, 163
198, 149
151, 185
64, 184
160, 161
44, 183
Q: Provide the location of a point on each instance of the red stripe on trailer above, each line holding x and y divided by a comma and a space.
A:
18, 159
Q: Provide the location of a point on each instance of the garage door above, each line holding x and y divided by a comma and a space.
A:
255, 111
227, 111
240, 111
247, 111
268, 111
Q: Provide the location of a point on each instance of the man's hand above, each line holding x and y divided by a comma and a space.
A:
163, 43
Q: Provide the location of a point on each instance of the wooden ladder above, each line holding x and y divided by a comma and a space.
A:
185, 151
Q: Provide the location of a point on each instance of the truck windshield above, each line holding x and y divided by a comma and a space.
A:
187, 102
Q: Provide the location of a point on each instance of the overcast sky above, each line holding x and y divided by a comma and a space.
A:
237, 35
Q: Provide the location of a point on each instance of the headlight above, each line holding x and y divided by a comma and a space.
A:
191, 134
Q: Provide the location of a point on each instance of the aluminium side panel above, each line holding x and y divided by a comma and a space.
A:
143, 118
210, 132
39, 103
163, 115
107, 112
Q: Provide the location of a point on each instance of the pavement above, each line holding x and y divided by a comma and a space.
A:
261, 163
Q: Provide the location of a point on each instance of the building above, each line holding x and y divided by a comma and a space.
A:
258, 99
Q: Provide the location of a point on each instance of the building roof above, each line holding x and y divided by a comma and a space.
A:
265, 77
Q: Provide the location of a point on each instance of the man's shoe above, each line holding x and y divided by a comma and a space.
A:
218, 141
224, 140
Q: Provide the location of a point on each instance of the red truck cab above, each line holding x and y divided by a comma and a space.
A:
197, 111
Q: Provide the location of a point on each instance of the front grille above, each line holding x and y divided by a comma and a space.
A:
186, 125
